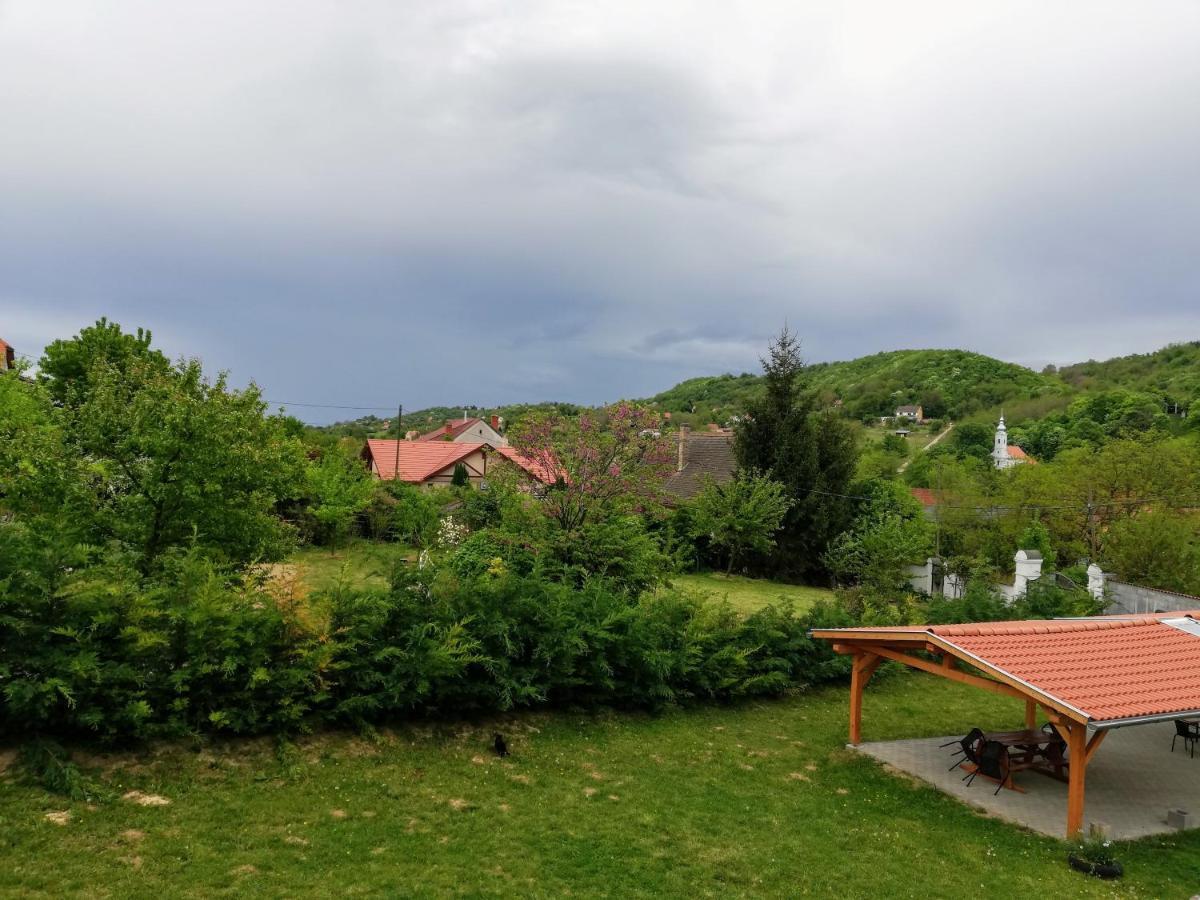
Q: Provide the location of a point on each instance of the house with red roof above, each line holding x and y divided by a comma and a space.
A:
430, 463
8, 356
469, 430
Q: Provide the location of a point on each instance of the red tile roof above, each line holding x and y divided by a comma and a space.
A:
538, 471
417, 461
421, 460
927, 496
1107, 668
452, 429
1016, 452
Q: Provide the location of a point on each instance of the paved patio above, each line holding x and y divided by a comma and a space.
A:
1131, 783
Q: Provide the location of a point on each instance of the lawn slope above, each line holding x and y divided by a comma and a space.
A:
754, 800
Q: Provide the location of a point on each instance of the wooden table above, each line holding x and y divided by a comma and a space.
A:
1038, 750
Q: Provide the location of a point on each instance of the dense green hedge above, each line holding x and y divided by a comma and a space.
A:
92, 650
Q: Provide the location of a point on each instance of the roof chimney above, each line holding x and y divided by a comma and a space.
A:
495, 421
684, 432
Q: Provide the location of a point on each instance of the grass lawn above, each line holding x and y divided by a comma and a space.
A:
749, 594
755, 800
359, 564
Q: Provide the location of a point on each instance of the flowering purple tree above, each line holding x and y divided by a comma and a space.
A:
603, 463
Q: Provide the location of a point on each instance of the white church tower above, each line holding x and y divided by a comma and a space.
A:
1005, 456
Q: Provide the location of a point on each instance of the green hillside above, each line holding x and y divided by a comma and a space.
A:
946, 382
1172, 374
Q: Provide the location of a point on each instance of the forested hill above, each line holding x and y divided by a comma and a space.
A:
1173, 373
946, 382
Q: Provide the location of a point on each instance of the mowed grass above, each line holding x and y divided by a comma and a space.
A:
748, 594
756, 800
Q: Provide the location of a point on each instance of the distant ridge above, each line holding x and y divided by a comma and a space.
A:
947, 383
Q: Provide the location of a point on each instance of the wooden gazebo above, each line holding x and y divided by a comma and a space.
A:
1086, 675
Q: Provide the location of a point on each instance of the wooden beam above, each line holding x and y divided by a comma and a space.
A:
953, 674
1094, 744
865, 664
1077, 748
1030, 713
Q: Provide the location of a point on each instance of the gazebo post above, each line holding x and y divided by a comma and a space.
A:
1030, 714
865, 665
1076, 772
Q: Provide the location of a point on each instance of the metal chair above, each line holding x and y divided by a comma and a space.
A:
968, 748
993, 763
1190, 732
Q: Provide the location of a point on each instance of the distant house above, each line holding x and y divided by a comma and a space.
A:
1004, 454
912, 413
430, 463
929, 500
469, 430
699, 456
8, 356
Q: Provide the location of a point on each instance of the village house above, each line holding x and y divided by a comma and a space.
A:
8, 356
701, 455
469, 430
430, 463
911, 413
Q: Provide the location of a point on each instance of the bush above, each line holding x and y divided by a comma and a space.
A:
96, 651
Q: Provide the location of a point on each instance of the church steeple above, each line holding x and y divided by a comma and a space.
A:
1000, 445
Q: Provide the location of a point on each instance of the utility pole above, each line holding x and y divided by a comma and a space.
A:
400, 436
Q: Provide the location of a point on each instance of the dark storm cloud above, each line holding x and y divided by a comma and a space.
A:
467, 202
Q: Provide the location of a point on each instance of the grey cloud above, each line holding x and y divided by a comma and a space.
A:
474, 202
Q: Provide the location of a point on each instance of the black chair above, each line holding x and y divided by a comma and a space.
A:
968, 748
993, 763
1190, 732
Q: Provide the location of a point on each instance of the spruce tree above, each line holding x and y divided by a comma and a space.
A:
812, 452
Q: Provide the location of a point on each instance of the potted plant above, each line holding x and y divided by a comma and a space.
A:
1093, 856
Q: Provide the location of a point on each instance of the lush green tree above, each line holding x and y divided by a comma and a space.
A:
973, 439
741, 516
1159, 548
812, 452
339, 490
40, 475
69, 367
176, 459
413, 513
889, 534
460, 478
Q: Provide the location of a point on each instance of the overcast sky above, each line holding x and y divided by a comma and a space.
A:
484, 202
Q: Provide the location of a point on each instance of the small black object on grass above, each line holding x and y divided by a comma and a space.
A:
500, 746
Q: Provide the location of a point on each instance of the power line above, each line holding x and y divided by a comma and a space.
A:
329, 405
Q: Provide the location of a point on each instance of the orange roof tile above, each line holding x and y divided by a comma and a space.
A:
452, 429
1108, 668
421, 460
417, 461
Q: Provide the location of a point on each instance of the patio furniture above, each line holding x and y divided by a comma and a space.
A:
994, 763
1189, 730
968, 747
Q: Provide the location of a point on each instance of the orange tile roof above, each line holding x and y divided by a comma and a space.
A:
418, 461
1016, 452
926, 496
421, 460
452, 429
1108, 667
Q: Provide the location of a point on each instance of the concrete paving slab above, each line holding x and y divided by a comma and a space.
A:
1132, 781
